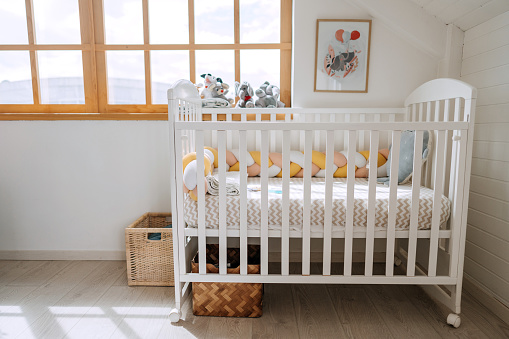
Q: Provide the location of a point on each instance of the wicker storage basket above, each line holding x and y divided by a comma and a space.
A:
228, 299
149, 262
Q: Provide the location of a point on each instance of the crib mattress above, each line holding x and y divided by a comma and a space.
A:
317, 206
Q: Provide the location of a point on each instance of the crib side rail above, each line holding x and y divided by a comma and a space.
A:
191, 110
309, 130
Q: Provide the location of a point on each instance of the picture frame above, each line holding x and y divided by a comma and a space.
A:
342, 54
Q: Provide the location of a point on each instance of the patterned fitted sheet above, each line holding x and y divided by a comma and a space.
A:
317, 206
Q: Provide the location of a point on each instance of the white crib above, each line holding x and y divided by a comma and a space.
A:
432, 257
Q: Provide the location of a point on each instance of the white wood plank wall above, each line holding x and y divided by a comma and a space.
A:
486, 66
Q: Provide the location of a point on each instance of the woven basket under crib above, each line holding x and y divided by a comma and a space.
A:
149, 262
228, 299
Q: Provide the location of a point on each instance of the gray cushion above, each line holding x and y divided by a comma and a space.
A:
406, 156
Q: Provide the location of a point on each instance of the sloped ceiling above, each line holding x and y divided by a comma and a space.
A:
464, 14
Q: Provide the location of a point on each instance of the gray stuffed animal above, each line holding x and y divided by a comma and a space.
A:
245, 94
217, 90
268, 96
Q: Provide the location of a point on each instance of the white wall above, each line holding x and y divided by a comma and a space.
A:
486, 66
396, 66
75, 185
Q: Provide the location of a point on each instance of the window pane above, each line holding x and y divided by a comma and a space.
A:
57, 21
213, 21
260, 21
123, 21
220, 64
15, 78
61, 77
13, 20
168, 22
126, 77
256, 72
166, 68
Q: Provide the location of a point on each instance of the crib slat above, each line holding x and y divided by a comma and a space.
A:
272, 134
414, 214
437, 203
213, 117
221, 162
264, 185
202, 238
317, 145
302, 118
393, 203
370, 231
350, 186
447, 114
229, 133
392, 118
243, 201
306, 214
327, 226
285, 231
421, 109
428, 111
454, 150
362, 136
437, 111
457, 103
345, 135
456, 214
258, 133
180, 197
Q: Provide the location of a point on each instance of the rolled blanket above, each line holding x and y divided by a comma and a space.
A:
214, 103
232, 184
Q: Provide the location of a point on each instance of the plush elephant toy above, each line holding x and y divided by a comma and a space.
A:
268, 96
245, 94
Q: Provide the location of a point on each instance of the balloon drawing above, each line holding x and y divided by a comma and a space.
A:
342, 58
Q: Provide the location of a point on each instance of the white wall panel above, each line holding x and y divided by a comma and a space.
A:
76, 185
486, 66
489, 224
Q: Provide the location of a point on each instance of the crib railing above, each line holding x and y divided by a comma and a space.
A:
190, 134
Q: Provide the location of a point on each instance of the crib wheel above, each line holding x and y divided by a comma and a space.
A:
397, 261
454, 320
174, 315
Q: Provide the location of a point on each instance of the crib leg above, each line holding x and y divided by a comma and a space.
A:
454, 320
176, 313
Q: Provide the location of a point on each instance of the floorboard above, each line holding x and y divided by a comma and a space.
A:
58, 319
489, 323
356, 313
147, 315
42, 298
190, 326
91, 299
399, 314
14, 269
106, 314
436, 313
279, 318
316, 317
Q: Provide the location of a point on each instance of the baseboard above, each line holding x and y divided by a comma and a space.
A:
486, 298
62, 255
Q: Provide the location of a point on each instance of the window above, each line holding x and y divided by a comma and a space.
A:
115, 59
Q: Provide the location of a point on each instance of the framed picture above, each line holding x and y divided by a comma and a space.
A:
342, 55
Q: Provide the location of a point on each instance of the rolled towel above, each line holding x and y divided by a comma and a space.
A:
215, 102
232, 184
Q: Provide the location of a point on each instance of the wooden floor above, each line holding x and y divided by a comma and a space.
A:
90, 299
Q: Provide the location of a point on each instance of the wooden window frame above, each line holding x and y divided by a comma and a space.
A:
94, 50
